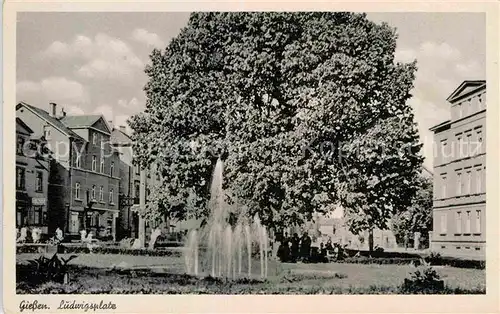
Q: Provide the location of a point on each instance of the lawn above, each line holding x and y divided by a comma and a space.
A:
94, 273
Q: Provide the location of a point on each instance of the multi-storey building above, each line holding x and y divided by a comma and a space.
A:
83, 180
32, 173
459, 174
130, 186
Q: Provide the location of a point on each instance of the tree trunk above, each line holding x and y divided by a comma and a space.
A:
370, 240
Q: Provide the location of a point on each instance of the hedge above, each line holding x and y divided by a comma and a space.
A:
101, 250
114, 250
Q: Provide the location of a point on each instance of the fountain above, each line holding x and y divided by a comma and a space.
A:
219, 249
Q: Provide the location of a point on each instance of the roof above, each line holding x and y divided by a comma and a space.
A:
120, 137
466, 88
426, 170
447, 122
84, 121
51, 120
21, 127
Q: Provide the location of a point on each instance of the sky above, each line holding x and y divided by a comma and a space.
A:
92, 63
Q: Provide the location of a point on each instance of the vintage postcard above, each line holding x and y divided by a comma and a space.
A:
327, 153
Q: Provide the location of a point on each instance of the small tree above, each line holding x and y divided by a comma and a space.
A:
418, 216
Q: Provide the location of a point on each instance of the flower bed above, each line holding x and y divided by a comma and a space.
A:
381, 260
403, 258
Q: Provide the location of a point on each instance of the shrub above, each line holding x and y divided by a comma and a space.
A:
43, 269
381, 261
425, 280
436, 259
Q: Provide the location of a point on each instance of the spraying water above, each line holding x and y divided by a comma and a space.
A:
219, 249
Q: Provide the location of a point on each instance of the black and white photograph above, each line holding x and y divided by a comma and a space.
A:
249, 152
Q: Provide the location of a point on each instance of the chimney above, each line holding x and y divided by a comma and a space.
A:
63, 113
53, 111
110, 122
123, 129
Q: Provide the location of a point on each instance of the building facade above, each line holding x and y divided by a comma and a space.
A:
130, 187
83, 178
459, 174
32, 173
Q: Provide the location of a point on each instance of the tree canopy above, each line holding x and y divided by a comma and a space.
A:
308, 110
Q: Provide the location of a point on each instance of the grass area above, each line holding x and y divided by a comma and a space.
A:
92, 273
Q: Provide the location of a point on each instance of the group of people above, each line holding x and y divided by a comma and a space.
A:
294, 249
34, 235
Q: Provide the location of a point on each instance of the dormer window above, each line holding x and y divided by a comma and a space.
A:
46, 132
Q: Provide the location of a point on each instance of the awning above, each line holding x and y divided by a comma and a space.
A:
105, 209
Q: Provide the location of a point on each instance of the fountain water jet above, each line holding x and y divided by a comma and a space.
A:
220, 247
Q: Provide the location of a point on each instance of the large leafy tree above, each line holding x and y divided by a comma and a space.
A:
291, 101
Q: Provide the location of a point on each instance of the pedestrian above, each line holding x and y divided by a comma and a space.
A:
329, 244
305, 246
284, 249
295, 248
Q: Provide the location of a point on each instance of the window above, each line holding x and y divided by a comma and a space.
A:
101, 193
467, 222
460, 144
444, 149
94, 138
94, 220
137, 170
111, 196
479, 178
112, 168
478, 222
93, 192
78, 160
94, 163
468, 182
444, 185
20, 178
77, 190
468, 144
479, 143
39, 181
20, 145
137, 190
443, 223
102, 142
101, 165
459, 183
37, 215
458, 223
